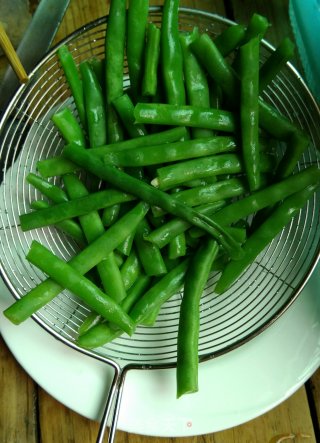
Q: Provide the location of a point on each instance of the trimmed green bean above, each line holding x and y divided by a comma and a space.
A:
73, 78
73, 208
114, 64
171, 54
249, 111
69, 227
68, 277
68, 126
149, 254
137, 25
178, 173
125, 108
189, 322
275, 62
196, 82
50, 190
229, 39
171, 152
187, 115
87, 259
151, 63
130, 270
94, 106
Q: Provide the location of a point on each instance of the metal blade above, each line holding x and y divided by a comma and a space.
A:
34, 44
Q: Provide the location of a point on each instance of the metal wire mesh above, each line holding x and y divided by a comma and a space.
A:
262, 293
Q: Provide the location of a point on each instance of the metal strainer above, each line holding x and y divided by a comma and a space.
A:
252, 304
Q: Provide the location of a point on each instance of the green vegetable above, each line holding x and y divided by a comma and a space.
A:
68, 277
151, 63
189, 321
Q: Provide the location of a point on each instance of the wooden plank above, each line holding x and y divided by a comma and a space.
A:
18, 404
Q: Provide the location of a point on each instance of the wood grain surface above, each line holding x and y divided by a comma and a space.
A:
29, 415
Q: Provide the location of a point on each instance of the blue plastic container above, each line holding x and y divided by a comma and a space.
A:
305, 21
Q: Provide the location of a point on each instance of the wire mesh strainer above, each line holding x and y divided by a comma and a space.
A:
254, 302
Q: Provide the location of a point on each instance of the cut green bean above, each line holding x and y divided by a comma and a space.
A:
249, 111
125, 108
151, 62
229, 39
68, 277
73, 78
68, 126
130, 270
178, 173
70, 227
275, 62
189, 322
94, 106
50, 190
187, 115
135, 45
149, 254
73, 208
114, 64
171, 152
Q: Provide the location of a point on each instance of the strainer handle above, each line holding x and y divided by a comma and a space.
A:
112, 407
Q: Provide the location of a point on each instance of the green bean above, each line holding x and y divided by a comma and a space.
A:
218, 68
187, 115
249, 111
125, 108
60, 165
103, 333
268, 196
296, 145
68, 277
272, 121
137, 25
114, 63
229, 39
110, 215
178, 173
171, 152
50, 190
171, 54
196, 82
73, 78
257, 27
263, 235
73, 208
69, 227
162, 235
275, 62
222, 189
149, 254
87, 259
90, 321
152, 55
150, 195
98, 66
130, 270
189, 322
68, 126
56, 166
94, 106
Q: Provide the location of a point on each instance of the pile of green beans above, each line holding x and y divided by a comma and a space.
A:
156, 179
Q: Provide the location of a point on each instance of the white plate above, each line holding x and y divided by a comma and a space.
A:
234, 388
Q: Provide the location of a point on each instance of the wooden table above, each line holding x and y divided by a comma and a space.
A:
29, 415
